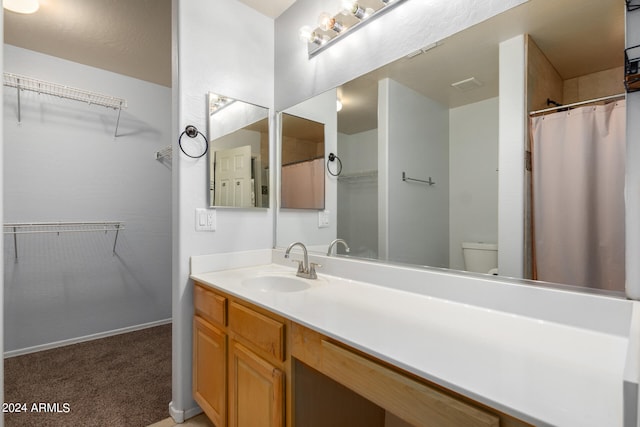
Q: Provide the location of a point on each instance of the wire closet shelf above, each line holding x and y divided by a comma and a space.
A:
17, 228
42, 87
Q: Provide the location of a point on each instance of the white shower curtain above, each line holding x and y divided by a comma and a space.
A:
578, 196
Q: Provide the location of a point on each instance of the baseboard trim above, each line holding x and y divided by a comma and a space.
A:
180, 416
56, 344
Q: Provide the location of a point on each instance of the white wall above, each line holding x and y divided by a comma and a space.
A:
473, 164
358, 196
511, 134
220, 46
473, 175
417, 141
62, 163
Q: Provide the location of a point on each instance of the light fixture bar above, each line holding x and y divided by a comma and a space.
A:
315, 48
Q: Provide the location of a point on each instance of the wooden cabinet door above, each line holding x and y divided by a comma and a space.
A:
256, 390
209, 370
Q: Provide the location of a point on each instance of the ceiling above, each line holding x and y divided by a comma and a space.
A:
129, 37
133, 38
271, 8
578, 37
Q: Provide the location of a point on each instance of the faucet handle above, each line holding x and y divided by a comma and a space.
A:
312, 270
300, 265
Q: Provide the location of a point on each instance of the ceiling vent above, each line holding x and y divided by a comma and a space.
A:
467, 84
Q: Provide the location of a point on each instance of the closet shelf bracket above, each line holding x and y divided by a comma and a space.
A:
42, 87
165, 153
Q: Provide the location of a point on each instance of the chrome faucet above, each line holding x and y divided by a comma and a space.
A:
306, 270
335, 242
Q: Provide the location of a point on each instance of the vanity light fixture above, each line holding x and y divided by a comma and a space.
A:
218, 102
354, 14
21, 6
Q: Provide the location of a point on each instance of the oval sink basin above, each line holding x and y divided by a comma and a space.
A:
276, 284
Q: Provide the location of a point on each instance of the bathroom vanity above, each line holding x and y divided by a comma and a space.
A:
268, 360
340, 350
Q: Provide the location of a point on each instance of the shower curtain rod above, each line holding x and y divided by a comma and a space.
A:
575, 104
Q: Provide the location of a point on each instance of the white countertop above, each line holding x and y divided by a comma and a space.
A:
544, 372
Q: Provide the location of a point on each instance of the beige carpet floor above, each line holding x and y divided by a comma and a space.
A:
119, 381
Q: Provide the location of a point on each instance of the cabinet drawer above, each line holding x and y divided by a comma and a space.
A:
209, 305
265, 333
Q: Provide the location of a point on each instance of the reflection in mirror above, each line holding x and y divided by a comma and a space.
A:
302, 176
239, 153
434, 114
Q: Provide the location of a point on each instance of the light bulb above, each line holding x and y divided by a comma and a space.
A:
310, 36
21, 6
351, 7
348, 6
327, 22
306, 34
338, 105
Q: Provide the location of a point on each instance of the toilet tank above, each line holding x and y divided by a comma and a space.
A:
480, 257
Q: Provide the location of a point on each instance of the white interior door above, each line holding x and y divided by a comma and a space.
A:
233, 177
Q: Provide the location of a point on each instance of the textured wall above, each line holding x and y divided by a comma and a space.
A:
417, 140
473, 163
220, 46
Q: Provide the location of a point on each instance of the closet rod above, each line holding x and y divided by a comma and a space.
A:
576, 104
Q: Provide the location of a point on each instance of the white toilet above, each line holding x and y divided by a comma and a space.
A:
480, 257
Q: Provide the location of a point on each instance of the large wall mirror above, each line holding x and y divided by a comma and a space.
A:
239, 153
435, 115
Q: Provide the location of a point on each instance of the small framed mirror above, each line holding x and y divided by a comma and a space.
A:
239, 153
302, 175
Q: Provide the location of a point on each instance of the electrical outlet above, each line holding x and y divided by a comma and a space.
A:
323, 219
205, 219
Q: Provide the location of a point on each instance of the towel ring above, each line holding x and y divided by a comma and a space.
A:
193, 132
333, 157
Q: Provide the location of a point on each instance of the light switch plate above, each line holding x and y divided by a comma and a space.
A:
323, 219
205, 219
